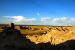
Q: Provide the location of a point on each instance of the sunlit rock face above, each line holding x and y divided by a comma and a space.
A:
55, 35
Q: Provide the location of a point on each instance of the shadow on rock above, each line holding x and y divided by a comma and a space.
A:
68, 45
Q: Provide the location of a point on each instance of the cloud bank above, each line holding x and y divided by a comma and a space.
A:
62, 21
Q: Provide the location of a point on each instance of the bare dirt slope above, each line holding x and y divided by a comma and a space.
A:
55, 35
43, 34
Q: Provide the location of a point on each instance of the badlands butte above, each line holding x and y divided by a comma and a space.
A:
43, 34
53, 34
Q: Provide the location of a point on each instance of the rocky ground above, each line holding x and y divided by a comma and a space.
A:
13, 39
54, 35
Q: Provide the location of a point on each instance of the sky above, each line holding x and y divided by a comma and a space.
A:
38, 12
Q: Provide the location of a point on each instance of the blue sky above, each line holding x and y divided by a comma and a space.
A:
38, 12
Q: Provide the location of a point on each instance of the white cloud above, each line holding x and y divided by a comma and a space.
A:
19, 19
30, 19
45, 18
63, 21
